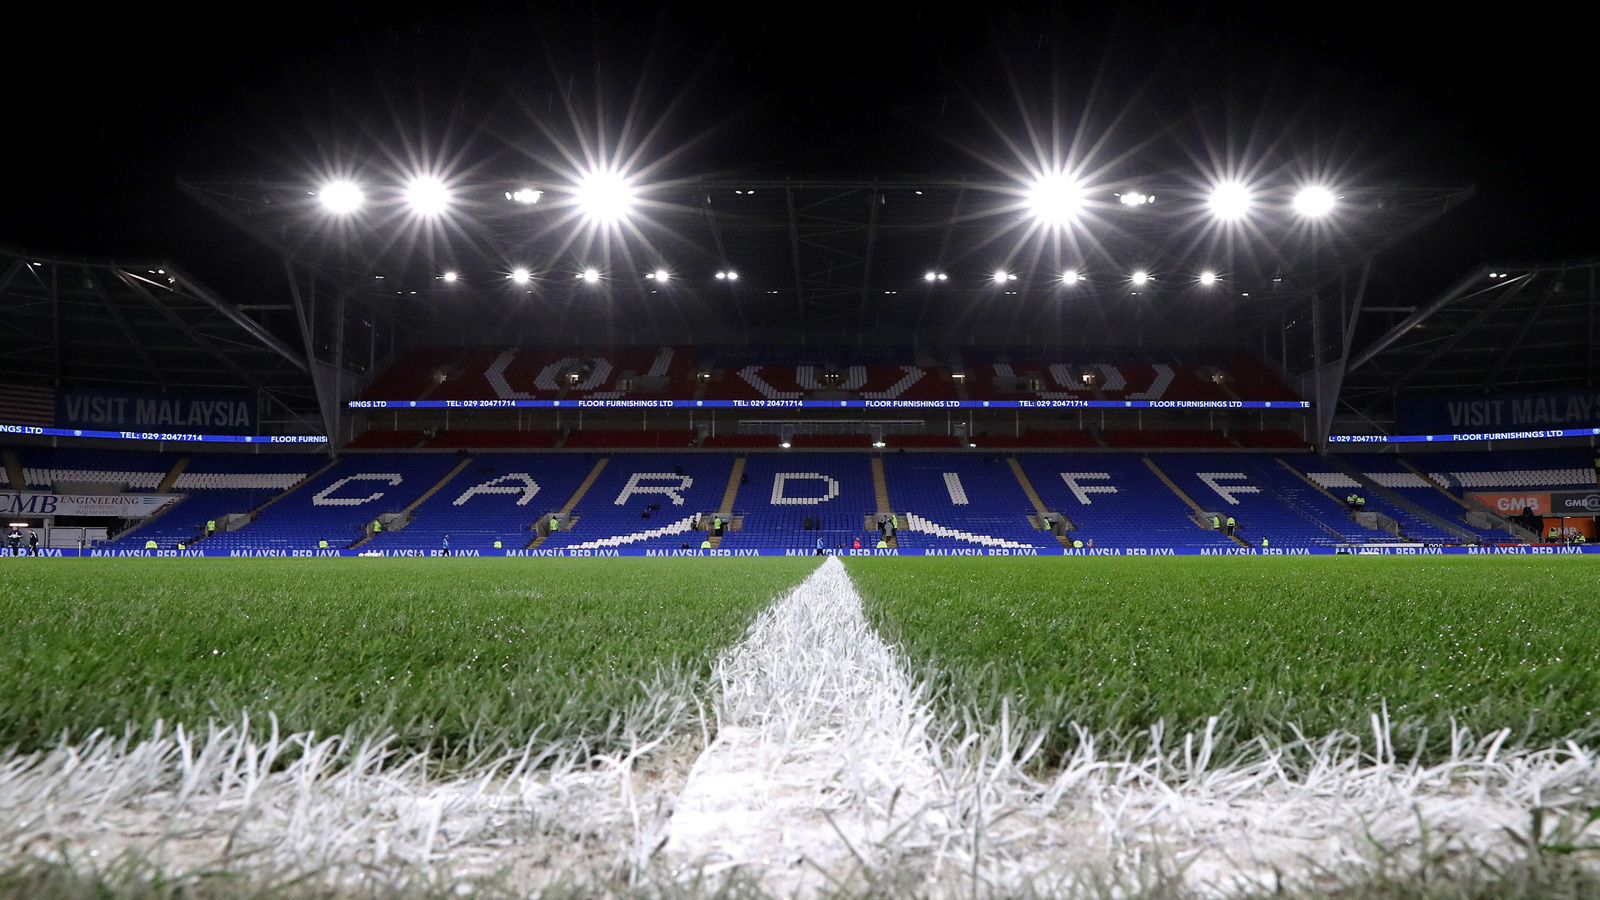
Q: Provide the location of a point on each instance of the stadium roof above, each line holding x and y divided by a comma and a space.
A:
1502, 327
825, 259
142, 325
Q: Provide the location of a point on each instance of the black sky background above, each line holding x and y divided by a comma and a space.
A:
108, 109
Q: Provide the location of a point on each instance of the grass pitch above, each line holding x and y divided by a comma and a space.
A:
460, 656
1268, 644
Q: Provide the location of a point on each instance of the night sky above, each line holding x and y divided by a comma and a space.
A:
107, 110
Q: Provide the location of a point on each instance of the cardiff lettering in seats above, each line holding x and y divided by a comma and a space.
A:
325, 496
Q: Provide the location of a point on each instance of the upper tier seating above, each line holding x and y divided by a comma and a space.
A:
1272, 439
497, 497
135, 470
386, 440
969, 499
784, 488
1037, 438
1268, 500
1565, 469
337, 504
736, 441
615, 512
1116, 501
453, 439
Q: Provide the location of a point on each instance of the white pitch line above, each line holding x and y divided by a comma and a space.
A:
821, 754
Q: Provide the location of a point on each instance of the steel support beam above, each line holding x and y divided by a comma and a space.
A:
1445, 346
1457, 292
178, 322
127, 329
866, 261
231, 312
794, 250
1523, 329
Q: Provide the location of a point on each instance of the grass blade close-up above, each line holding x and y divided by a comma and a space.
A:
460, 656
1271, 645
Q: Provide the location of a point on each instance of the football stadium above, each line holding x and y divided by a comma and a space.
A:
1100, 521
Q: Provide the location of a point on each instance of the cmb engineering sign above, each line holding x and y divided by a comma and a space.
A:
1497, 412
132, 411
117, 506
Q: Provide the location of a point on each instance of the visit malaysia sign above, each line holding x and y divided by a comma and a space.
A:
135, 411
1541, 410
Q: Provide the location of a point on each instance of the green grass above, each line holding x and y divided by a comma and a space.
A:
461, 656
1118, 645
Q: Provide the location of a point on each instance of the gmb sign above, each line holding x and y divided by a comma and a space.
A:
135, 411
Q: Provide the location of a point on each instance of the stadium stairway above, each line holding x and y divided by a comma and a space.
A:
1504, 524
408, 509
565, 512
1401, 501
730, 494
1199, 514
880, 493
1039, 508
19, 482
172, 475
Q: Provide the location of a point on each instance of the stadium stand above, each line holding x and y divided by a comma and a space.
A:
1038, 439
1335, 481
1150, 440
1509, 470
960, 499
336, 505
1268, 500
1394, 474
1116, 501
497, 497
783, 489
459, 439
615, 512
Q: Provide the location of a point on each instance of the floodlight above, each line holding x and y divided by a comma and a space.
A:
520, 275
1140, 278
590, 276
524, 195
660, 275
427, 196
1055, 199
1002, 276
1071, 276
943, 277
450, 277
784, 445
931, 276
727, 276
733, 276
1208, 278
1230, 200
342, 197
1314, 201
1134, 198
878, 444
604, 197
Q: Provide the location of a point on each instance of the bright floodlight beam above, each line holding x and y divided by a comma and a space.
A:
1001, 276
1230, 200
520, 275
590, 276
661, 275
1055, 199
1141, 278
342, 197
451, 276
604, 197
1314, 202
427, 196
1208, 278
1070, 277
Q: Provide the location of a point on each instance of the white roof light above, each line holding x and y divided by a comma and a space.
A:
661, 275
1208, 278
1071, 276
524, 195
1055, 199
1314, 201
1134, 198
1230, 200
342, 197
591, 276
450, 276
520, 275
427, 196
1141, 278
931, 276
1002, 276
604, 197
